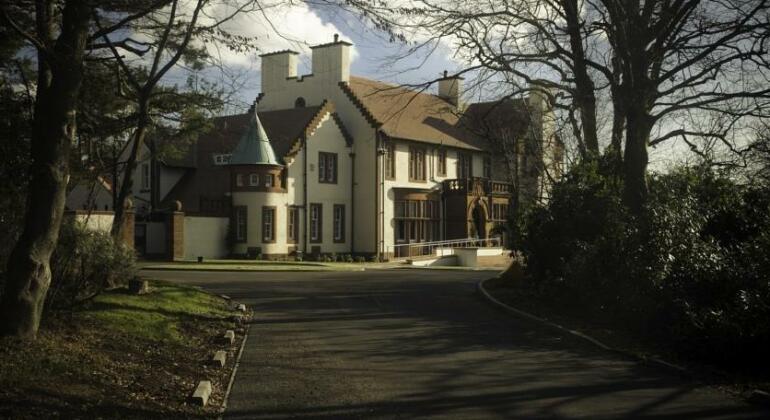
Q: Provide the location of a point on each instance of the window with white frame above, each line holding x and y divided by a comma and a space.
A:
292, 227
222, 158
339, 223
239, 180
316, 211
268, 224
240, 224
441, 158
416, 164
268, 180
254, 180
487, 167
327, 168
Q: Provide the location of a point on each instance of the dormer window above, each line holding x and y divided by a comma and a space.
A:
254, 180
222, 158
299, 103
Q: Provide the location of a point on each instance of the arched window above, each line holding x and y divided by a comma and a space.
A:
299, 103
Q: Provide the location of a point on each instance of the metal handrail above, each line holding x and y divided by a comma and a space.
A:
419, 249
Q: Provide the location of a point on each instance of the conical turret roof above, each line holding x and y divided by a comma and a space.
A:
254, 147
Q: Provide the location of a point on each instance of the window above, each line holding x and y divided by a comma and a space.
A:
339, 223
222, 159
416, 164
254, 180
299, 102
145, 176
441, 158
240, 224
292, 228
417, 220
464, 165
487, 167
390, 161
268, 180
327, 168
239, 180
268, 224
315, 222
499, 211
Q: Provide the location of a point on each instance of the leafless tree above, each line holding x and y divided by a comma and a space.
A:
661, 62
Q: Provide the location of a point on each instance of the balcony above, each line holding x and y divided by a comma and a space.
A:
485, 186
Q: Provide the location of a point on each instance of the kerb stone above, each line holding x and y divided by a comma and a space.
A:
229, 337
202, 393
219, 359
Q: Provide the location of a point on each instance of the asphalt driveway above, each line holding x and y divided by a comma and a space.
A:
420, 343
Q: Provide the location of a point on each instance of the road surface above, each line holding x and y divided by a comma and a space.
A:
423, 344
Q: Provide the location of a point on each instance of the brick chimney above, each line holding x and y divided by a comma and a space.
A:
331, 61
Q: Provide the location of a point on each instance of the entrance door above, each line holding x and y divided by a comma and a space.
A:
479, 221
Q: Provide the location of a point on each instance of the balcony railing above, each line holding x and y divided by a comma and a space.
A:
468, 185
437, 248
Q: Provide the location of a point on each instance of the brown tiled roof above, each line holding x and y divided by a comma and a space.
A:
487, 119
404, 113
205, 180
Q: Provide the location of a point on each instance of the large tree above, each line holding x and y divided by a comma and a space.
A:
59, 35
671, 69
59, 32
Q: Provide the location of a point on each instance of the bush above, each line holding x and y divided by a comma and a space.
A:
360, 259
348, 258
694, 264
85, 263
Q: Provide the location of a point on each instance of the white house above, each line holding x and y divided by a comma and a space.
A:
328, 162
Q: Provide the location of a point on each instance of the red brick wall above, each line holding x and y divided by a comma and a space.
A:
176, 236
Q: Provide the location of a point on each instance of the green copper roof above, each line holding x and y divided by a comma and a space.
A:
254, 147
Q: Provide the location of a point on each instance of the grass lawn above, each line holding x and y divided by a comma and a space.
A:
121, 356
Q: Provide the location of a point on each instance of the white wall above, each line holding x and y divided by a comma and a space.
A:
87, 195
100, 222
205, 237
328, 138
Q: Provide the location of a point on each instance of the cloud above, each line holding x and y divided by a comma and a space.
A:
277, 26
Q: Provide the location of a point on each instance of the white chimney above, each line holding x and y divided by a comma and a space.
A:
540, 95
449, 88
331, 62
276, 68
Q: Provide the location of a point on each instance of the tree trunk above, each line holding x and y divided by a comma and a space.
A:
638, 126
60, 77
584, 86
127, 183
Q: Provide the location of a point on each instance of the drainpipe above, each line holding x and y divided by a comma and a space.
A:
382, 201
377, 147
304, 197
352, 202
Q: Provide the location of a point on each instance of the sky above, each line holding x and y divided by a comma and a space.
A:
300, 26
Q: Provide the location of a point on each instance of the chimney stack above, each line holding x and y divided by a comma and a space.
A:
331, 62
276, 68
449, 88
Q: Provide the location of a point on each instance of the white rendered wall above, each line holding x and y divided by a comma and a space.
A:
205, 237
88, 194
254, 201
99, 222
328, 138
